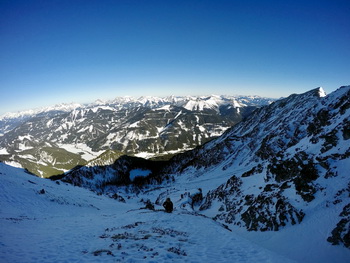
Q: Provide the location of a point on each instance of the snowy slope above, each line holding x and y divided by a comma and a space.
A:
69, 224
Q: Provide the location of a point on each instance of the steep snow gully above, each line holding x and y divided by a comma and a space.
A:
275, 188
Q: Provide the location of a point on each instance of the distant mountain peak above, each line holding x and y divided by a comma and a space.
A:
321, 92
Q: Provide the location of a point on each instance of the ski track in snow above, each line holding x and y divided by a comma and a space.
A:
70, 224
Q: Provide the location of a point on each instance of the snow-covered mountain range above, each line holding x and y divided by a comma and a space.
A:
284, 165
275, 187
52, 140
146, 101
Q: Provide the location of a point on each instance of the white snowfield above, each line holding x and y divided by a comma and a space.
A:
71, 224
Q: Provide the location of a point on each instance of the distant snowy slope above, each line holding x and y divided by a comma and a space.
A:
12, 120
42, 221
63, 107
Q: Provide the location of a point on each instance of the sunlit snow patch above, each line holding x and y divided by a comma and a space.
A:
3, 151
321, 92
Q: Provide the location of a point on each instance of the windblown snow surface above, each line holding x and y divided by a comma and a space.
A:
47, 221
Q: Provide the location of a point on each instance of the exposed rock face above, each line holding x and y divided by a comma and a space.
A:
341, 233
268, 211
300, 170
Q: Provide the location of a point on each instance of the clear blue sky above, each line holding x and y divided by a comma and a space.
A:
56, 51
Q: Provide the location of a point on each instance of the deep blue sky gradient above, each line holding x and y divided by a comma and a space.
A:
56, 51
